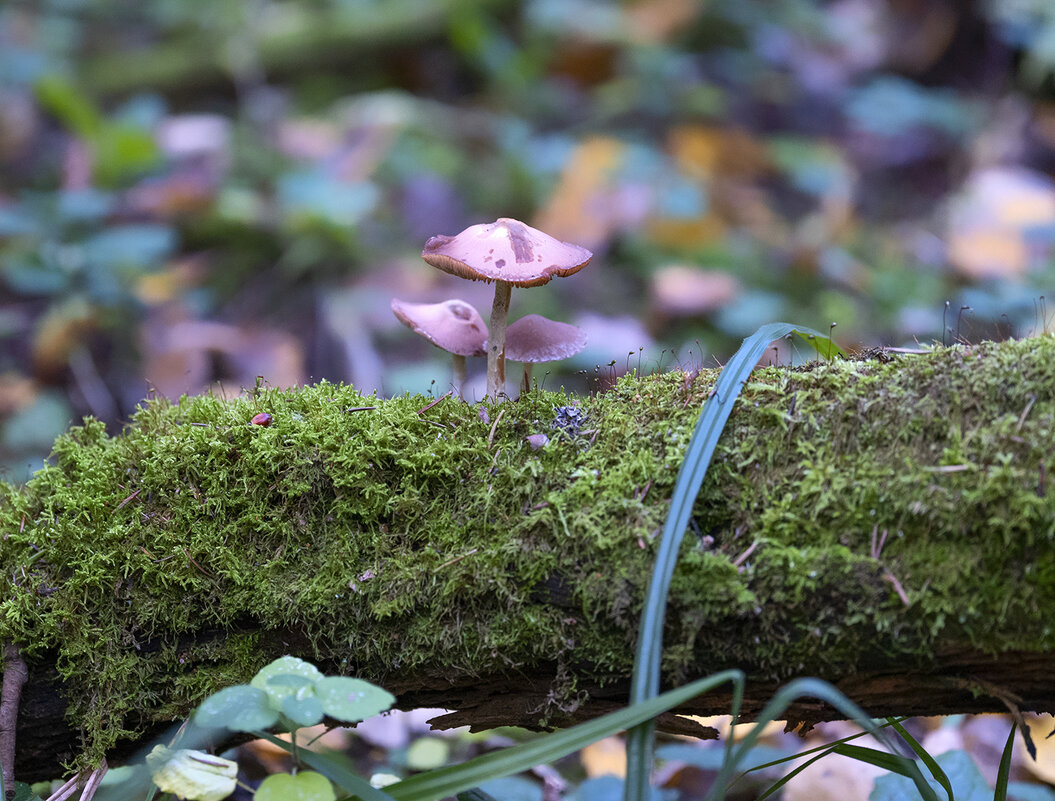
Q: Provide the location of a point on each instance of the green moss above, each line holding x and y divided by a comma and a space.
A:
387, 543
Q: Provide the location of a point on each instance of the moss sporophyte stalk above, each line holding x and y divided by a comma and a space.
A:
182, 554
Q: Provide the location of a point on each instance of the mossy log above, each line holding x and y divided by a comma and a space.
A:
885, 524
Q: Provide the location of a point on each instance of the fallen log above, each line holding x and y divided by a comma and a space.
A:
883, 523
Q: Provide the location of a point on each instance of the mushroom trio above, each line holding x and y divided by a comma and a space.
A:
509, 253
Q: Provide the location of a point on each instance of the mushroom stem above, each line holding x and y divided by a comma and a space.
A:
496, 341
459, 374
528, 367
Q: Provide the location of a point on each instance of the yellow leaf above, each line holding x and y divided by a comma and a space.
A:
604, 757
579, 209
1040, 727
192, 774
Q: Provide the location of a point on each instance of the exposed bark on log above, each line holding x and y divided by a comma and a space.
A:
159, 565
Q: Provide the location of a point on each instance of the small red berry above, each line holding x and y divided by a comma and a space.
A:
262, 419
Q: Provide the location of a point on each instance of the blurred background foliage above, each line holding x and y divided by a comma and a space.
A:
195, 193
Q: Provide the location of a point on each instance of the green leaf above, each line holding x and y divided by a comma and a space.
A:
927, 759
1002, 774
303, 708
427, 753
238, 708
141, 246
511, 788
476, 794
966, 781
289, 680
895, 763
305, 786
352, 700
284, 665
331, 768
23, 792
69, 105
774, 710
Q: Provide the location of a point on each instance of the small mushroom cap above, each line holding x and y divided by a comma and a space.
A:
505, 250
534, 338
454, 325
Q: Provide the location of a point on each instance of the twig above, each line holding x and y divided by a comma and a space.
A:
428, 406
93, 781
494, 425
878, 542
130, 497
360, 408
892, 579
15, 675
66, 790
743, 557
202, 569
450, 562
1022, 417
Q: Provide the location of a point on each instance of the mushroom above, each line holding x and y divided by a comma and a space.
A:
534, 338
509, 253
453, 325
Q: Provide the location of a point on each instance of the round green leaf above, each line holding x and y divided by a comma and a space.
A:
427, 753
351, 700
304, 709
289, 680
238, 708
305, 786
283, 666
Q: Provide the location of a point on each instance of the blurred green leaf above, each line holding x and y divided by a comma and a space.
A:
238, 708
968, 784
351, 700
305, 786
315, 194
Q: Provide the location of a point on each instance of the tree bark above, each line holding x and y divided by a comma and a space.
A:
885, 524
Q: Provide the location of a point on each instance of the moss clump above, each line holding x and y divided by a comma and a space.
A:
390, 543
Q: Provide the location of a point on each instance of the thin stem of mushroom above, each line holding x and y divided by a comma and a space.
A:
459, 374
528, 367
496, 341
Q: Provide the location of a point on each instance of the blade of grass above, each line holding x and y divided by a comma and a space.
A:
451, 780
927, 759
716, 411
1000, 791
819, 751
795, 772
894, 763
822, 690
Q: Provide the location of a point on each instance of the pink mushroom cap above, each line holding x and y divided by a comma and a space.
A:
534, 338
505, 250
454, 325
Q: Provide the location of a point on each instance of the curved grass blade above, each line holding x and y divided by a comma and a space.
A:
451, 780
818, 752
1002, 774
716, 411
795, 772
925, 757
821, 690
